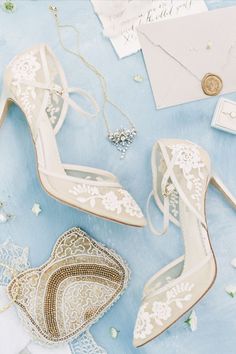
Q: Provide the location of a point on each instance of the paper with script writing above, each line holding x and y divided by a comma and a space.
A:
124, 37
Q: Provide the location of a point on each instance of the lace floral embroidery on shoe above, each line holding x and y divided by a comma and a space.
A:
188, 158
161, 310
53, 109
143, 327
174, 201
109, 200
24, 68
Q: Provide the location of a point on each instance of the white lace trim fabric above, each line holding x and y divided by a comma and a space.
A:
85, 344
161, 311
122, 202
14, 257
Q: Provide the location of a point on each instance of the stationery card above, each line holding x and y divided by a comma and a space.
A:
192, 57
129, 14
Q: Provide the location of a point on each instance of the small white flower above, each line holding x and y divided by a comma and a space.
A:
138, 78
36, 209
233, 263
114, 332
8, 6
192, 321
4, 217
231, 290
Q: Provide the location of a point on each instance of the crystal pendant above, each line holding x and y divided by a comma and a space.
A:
122, 139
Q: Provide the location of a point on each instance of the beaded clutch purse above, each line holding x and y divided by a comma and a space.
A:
66, 295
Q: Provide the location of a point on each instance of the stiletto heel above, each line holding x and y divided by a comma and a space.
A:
4, 105
35, 81
217, 183
181, 175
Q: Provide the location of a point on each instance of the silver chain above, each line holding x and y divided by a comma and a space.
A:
170, 55
121, 138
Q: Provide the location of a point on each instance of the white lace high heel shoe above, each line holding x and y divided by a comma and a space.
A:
35, 81
181, 175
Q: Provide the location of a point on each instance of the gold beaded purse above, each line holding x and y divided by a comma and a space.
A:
65, 296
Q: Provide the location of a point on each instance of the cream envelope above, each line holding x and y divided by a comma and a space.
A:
179, 52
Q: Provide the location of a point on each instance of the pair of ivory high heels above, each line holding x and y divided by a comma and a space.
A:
35, 81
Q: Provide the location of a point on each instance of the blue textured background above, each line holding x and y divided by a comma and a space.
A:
82, 141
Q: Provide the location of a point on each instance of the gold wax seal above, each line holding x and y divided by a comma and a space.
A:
212, 84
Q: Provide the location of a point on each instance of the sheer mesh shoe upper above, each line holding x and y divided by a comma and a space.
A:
181, 171
36, 82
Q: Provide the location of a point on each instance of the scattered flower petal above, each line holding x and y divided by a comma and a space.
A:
4, 217
9, 6
231, 290
233, 263
138, 78
114, 332
36, 209
192, 321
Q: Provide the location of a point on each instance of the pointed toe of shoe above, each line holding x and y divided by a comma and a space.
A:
143, 328
138, 342
132, 221
153, 318
128, 210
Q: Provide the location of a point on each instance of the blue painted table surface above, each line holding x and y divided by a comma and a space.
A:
83, 142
